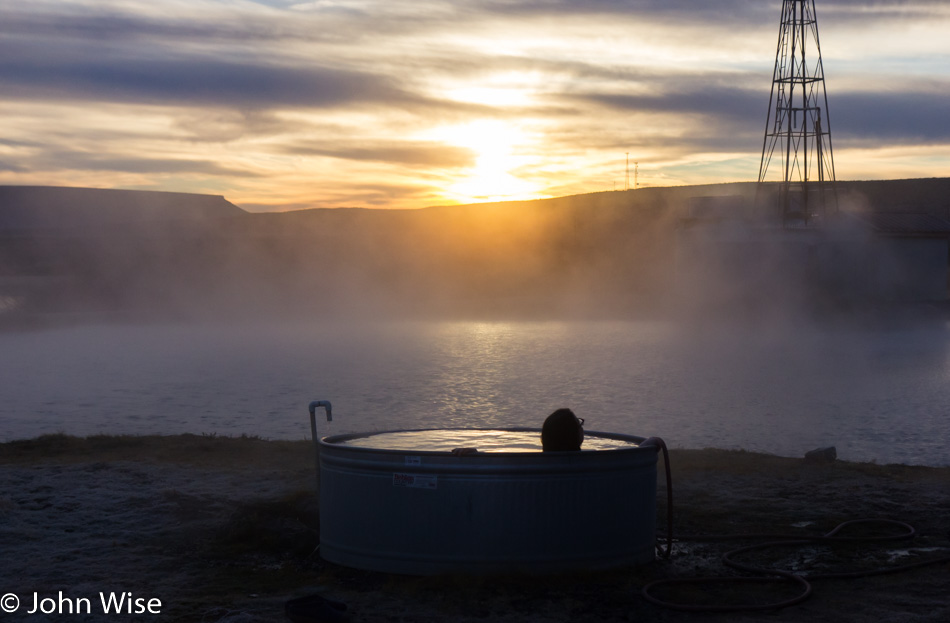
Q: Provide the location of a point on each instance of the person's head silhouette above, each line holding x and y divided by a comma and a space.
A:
562, 430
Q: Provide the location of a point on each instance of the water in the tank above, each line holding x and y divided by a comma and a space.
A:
878, 395
482, 440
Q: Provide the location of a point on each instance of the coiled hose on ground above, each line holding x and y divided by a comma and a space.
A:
766, 574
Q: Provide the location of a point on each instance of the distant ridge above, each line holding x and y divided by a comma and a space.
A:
179, 255
56, 207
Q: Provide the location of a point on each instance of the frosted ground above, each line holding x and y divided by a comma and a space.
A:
225, 531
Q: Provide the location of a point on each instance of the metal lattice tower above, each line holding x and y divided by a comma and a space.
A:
798, 129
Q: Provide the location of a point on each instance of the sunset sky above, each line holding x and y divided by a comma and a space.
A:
282, 104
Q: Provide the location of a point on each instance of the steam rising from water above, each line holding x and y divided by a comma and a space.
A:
290, 308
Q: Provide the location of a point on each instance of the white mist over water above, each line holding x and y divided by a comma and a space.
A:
877, 395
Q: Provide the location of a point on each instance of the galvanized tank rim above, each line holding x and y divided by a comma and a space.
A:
337, 441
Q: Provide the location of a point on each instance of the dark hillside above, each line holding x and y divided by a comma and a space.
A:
58, 208
608, 254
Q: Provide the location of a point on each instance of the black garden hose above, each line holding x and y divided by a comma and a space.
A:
659, 443
765, 574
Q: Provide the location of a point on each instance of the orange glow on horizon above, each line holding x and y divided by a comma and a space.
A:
499, 148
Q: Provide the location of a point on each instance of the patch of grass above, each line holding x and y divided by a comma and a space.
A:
187, 449
733, 461
744, 463
285, 526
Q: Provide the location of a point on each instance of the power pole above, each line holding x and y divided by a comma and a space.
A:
798, 128
626, 179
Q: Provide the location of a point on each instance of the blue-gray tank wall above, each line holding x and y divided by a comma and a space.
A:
424, 513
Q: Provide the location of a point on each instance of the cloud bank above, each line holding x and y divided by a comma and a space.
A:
283, 104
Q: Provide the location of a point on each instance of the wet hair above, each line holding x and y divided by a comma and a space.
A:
562, 431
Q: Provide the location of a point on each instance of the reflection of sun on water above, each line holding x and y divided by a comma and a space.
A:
494, 144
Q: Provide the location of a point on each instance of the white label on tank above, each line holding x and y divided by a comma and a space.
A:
413, 460
415, 481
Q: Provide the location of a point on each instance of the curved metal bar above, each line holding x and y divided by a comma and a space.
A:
326, 406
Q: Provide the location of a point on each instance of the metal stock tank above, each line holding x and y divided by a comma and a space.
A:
432, 501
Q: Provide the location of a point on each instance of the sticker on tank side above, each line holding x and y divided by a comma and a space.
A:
415, 481
413, 460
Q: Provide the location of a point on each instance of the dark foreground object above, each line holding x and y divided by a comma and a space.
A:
316, 609
822, 455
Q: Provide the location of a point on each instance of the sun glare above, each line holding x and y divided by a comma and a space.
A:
495, 145
490, 96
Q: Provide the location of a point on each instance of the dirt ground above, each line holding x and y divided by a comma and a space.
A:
226, 530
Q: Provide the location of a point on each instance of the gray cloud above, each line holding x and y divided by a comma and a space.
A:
144, 64
688, 10
12, 168
6, 142
344, 194
114, 25
692, 11
680, 141
30, 71
725, 104
405, 153
880, 9
340, 23
893, 117
222, 125
106, 26
130, 163
910, 116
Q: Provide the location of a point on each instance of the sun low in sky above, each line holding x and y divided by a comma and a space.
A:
283, 105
